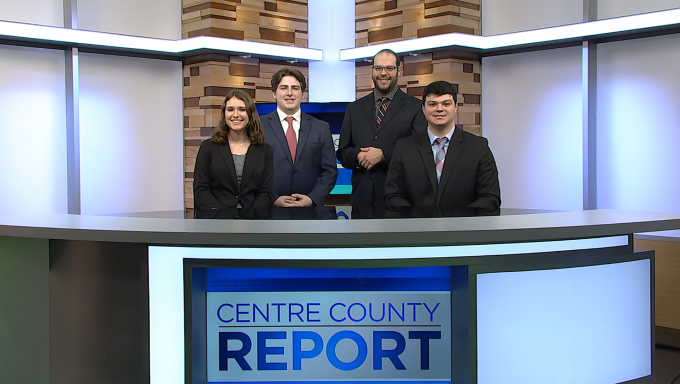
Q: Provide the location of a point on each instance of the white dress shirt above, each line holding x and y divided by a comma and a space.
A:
435, 146
284, 123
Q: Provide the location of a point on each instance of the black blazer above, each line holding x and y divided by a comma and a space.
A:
404, 117
314, 171
216, 188
469, 181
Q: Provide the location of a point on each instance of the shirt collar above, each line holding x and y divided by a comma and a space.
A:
377, 96
433, 137
282, 115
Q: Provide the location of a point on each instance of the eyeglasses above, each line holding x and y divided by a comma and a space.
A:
389, 68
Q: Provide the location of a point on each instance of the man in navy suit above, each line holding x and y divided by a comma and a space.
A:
304, 156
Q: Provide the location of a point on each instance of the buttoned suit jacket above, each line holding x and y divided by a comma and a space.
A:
215, 184
314, 171
404, 117
469, 182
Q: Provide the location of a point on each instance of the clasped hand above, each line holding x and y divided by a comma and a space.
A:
369, 157
294, 200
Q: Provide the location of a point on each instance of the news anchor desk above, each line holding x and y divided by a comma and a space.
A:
537, 298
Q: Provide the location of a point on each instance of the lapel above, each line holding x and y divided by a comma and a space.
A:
225, 154
369, 109
392, 110
276, 126
303, 134
455, 146
252, 156
425, 149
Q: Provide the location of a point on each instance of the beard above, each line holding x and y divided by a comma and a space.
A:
385, 89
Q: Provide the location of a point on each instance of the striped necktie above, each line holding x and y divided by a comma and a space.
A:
440, 155
382, 111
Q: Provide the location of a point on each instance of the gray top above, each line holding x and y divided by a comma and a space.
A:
340, 233
239, 161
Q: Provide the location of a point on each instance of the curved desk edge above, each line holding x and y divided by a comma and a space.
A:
341, 233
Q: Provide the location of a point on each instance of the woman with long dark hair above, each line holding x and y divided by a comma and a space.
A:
234, 169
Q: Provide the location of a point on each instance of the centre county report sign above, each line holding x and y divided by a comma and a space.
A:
324, 325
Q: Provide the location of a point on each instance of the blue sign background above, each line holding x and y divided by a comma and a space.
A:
336, 279
363, 325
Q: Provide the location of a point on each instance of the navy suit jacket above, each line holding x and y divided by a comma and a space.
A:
404, 117
314, 171
469, 181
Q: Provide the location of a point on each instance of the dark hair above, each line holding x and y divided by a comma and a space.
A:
254, 127
287, 71
441, 88
388, 51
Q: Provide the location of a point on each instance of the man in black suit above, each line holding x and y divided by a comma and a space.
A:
304, 156
371, 128
444, 170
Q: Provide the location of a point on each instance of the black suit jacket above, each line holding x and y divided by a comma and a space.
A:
314, 171
216, 188
469, 181
404, 117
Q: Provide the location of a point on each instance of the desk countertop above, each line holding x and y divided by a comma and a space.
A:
332, 233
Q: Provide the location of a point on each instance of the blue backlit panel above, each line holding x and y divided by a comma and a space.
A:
327, 325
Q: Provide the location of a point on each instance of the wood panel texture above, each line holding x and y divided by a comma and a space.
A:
272, 21
380, 21
667, 273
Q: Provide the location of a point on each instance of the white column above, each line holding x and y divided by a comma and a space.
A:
331, 27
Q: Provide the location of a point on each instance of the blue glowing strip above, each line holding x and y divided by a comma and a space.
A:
342, 189
328, 279
552, 34
326, 273
421, 284
44, 33
336, 382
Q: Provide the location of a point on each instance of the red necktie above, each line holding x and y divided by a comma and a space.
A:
290, 138
382, 111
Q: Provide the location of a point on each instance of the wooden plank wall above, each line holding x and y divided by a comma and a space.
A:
208, 78
269, 21
667, 275
381, 21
